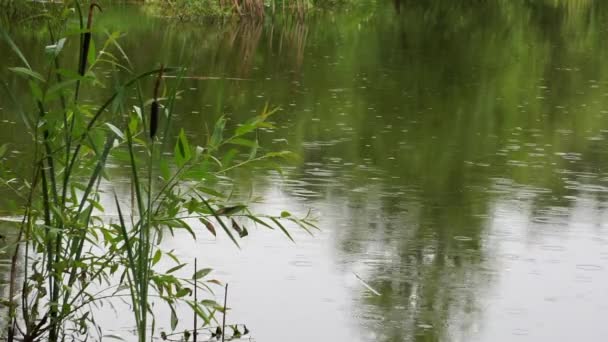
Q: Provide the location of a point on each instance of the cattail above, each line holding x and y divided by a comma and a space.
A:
155, 107
153, 119
86, 41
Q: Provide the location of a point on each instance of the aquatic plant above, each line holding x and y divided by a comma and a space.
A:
70, 253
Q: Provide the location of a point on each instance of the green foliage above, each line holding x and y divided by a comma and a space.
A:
193, 9
74, 256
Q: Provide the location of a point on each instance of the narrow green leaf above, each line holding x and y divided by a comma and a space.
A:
174, 319
244, 129
258, 220
242, 142
173, 269
282, 228
28, 73
183, 292
116, 130
15, 48
182, 149
199, 312
201, 273
156, 257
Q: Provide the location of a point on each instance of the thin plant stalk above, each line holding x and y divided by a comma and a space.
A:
225, 312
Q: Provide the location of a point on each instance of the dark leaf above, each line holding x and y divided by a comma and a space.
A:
236, 227
217, 333
230, 210
208, 225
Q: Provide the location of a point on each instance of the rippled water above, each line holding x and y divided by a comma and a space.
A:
454, 152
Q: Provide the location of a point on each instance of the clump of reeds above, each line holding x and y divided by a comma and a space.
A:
66, 247
256, 9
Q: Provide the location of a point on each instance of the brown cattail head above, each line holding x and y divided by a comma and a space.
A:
155, 107
86, 40
153, 119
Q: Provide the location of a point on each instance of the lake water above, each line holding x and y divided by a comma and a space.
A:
454, 151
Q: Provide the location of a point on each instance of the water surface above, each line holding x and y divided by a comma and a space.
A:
454, 152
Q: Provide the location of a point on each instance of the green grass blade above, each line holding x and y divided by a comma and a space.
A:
282, 228
14, 47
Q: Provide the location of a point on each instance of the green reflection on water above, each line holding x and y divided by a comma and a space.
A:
410, 124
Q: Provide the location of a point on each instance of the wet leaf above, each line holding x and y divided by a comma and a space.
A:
14, 47
174, 319
236, 227
208, 225
156, 257
173, 269
183, 292
201, 273
282, 228
230, 210
115, 130
182, 149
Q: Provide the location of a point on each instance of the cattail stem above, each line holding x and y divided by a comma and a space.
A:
194, 331
224, 318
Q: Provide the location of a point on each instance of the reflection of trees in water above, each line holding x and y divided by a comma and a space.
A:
420, 256
292, 41
480, 95
244, 39
286, 43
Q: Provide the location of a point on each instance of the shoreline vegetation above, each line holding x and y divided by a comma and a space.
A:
191, 10
80, 240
